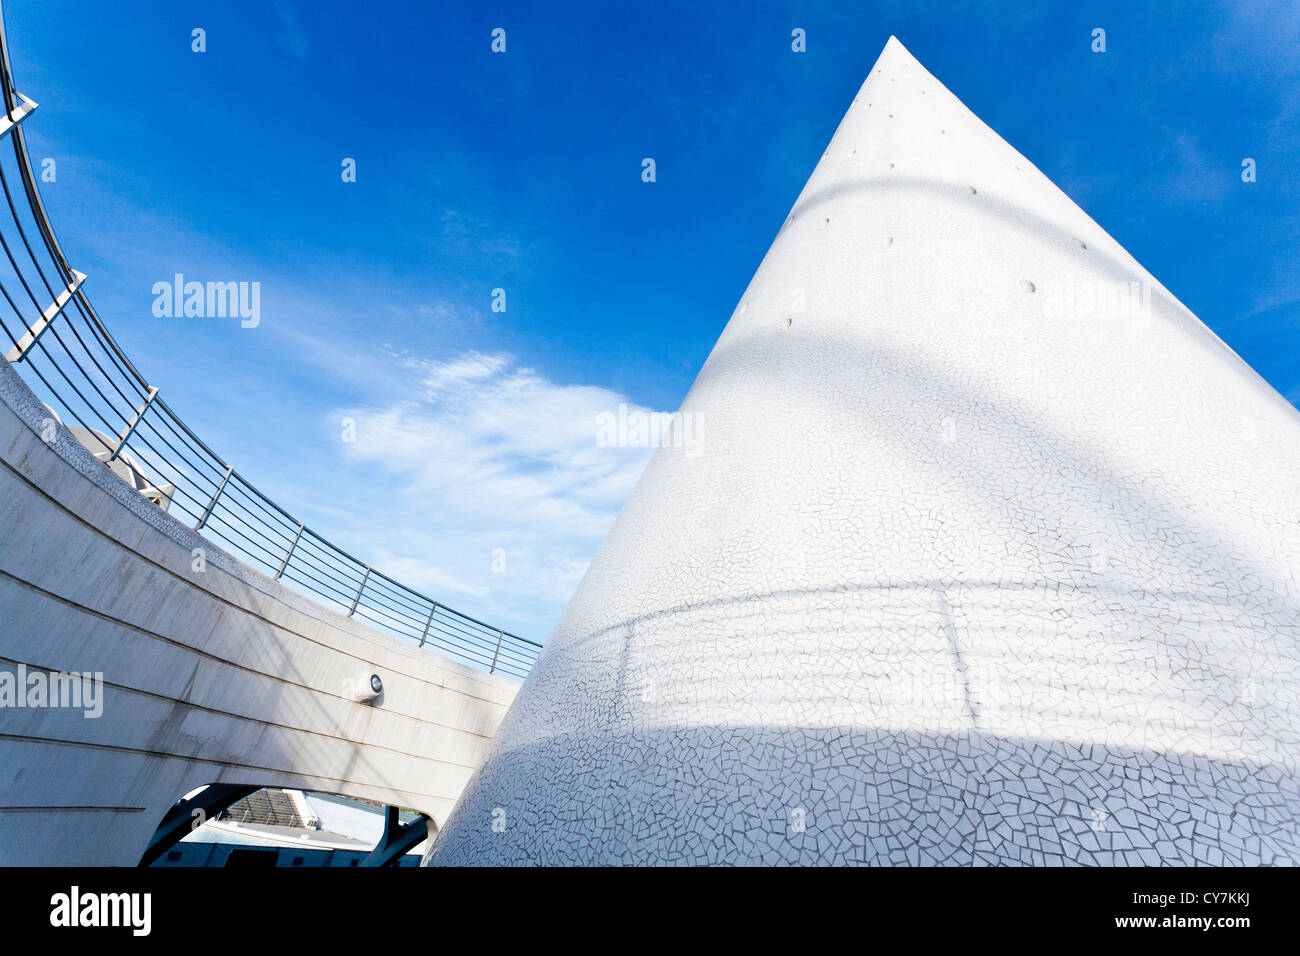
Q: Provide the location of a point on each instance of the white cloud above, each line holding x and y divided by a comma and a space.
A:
478, 458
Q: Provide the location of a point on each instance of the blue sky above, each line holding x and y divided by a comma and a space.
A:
522, 170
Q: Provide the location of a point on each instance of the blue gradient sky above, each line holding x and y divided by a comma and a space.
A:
522, 171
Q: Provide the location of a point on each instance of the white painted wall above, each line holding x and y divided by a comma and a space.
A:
215, 676
359, 821
963, 572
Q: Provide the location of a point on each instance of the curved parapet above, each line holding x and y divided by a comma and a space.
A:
139, 662
68, 356
990, 554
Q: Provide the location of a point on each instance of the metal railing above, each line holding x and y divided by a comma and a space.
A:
59, 342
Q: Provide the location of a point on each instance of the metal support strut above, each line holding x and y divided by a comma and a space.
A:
429, 623
52, 311
500, 637
20, 113
289, 554
357, 600
213, 503
398, 839
185, 816
126, 432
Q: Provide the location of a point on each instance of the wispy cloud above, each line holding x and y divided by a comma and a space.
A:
292, 36
477, 235
493, 484
1191, 176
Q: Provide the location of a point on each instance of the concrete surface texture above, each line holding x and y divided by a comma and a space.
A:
195, 672
990, 553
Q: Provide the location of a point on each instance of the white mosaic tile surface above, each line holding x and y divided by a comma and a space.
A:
967, 569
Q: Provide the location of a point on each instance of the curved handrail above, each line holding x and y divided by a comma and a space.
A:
107, 395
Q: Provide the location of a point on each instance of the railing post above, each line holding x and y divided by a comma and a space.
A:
52, 312
20, 112
428, 623
500, 636
126, 432
215, 495
356, 600
289, 554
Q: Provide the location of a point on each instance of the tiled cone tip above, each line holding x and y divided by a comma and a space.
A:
986, 551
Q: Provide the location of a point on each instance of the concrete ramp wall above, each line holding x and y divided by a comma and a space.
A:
213, 675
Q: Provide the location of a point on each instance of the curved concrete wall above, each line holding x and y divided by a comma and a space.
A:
220, 675
969, 566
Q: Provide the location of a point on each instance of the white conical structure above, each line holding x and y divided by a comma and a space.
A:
983, 555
